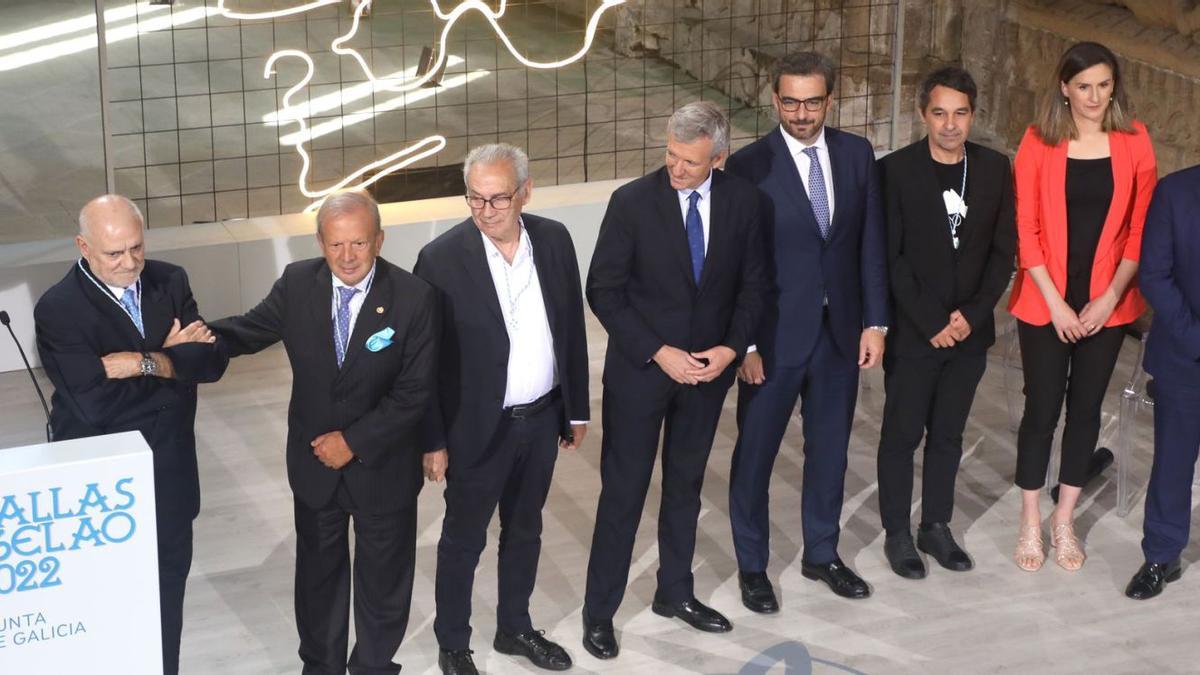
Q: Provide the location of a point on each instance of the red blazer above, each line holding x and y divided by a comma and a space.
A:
1040, 172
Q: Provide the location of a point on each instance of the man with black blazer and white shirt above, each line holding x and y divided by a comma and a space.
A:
678, 279
361, 336
512, 390
951, 245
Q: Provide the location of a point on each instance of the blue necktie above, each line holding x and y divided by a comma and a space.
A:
695, 234
130, 303
341, 327
816, 192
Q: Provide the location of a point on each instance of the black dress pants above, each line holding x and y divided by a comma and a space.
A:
384, 552
174, 563
928, 397
634, 417
514, 474
1054, 369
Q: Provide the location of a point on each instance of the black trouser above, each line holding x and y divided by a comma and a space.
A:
515, 474
634, 418
1054, 369
384, 552
927, 397
174, 563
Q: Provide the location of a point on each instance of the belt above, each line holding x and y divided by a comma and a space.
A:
534, 407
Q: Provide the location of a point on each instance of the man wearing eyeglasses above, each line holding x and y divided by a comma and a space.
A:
512, 392
361, 337
826, 321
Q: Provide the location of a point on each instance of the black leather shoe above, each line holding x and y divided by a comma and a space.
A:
1152, 578
457, 662
534, 646
695, 614
902, 555
937, 540
599, 639
841, 579
757, 593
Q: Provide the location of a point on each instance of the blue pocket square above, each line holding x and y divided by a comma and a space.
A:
381, 340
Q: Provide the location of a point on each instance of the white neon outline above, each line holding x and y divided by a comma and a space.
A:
426, 147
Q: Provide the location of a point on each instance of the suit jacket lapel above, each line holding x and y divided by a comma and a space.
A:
100, 297
156, 313
842, 180
670, 216
543, 261
322, 312
718, 219
788, 182
370, 320
1122, 173
475, 262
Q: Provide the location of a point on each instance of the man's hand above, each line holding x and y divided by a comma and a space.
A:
434, 464
870, 348
945, 338
677, 364
751, 371
718, 358
196, 331
332, 450
578, 431
959, 326
122, 365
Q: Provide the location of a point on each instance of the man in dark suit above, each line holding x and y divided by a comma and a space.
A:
361, 337
111, 341
1169, 277
826, 320
512, 390
948, 266
678, 279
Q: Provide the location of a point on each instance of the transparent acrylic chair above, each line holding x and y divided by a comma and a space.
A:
1137, 396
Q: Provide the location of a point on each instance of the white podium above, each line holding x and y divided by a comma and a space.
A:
79, 558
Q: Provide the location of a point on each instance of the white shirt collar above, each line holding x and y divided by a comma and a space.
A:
363, 286
704, 188
523, 244
796, 147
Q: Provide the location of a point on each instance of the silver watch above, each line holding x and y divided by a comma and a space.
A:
149, 366
882, 329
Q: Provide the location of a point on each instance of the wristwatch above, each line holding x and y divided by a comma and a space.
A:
882, 329
149, 366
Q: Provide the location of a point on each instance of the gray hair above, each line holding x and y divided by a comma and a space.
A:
700, 119
494, 153
348, 202
85, 220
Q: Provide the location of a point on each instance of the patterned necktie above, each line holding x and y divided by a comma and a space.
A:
341, 326
130, 303
816, 192
695, 235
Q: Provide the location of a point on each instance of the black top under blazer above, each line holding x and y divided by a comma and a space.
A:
376, 399
640, 284
77, 322
929, 279
473, 356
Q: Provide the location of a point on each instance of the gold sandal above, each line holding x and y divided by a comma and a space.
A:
1029, 546
1068, 549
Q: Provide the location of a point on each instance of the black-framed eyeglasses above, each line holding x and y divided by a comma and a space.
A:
810, 104
499, 202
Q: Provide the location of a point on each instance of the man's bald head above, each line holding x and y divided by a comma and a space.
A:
110, 239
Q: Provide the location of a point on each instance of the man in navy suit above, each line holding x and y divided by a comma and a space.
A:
111, 340
1169, 276
826, 319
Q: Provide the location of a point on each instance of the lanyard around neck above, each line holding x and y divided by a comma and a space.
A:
137, 291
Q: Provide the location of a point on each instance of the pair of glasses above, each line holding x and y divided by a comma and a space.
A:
499, 202
810, 104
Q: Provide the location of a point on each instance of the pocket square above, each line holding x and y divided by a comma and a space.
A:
381, 340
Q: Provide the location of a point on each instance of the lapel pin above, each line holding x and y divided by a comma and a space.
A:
379, 310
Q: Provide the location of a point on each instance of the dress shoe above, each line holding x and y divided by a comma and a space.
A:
534, 646
757, 593
457, 662
902, 555
841, 579
1152, 578
937, 540
599, 639
695, 614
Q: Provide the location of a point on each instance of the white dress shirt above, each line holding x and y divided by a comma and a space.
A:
356, 302
804, 164
703, 206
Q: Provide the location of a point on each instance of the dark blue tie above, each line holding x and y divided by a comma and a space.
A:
695, 233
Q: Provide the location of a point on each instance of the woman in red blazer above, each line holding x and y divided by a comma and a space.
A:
1084, 175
